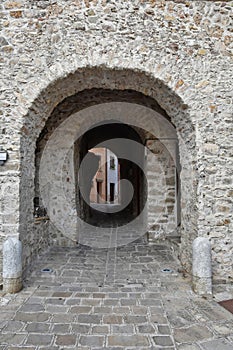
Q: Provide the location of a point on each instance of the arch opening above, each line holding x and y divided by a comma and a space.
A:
148, 161
115, 207
49, 121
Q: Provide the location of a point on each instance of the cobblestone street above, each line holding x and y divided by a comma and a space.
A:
116, 298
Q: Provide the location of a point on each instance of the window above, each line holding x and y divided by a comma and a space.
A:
112, 163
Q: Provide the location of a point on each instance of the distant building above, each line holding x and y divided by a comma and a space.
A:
113, 175
105, 187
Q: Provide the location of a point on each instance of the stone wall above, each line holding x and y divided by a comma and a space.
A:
162, 196
2, 238
176, 52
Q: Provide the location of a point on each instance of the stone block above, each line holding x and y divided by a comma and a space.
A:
80, 328
102, 310
32, 308
66, 339
123, 329
192, 334
61, 328
164, 329
91, 340
100, 329
32, 316
12, 265
12, 339
217, 344
37, 327
163, 340
202, 266
61, 294
147, 328
188, 347
39, 339
13, 326
128, 340
80, 309
135, 319
95, 319
112, 319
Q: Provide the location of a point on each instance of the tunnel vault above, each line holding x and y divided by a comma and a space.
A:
155, 180
164, 152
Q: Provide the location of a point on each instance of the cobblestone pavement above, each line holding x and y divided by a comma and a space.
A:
116, 298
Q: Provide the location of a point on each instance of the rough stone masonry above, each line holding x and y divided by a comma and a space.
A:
178, 53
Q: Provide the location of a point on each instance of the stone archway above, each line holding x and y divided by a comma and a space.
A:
58, 91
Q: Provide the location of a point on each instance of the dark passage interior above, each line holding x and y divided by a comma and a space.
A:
131, 203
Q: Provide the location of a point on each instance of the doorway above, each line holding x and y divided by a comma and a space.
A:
112, 192
113, 173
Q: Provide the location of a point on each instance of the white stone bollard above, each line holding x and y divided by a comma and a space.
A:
202, 266
12, 265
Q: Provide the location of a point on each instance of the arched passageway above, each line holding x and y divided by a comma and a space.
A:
63, 69
146, 146
126, 208
79, 113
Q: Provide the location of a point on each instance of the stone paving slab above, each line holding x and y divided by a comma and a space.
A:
78, 305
